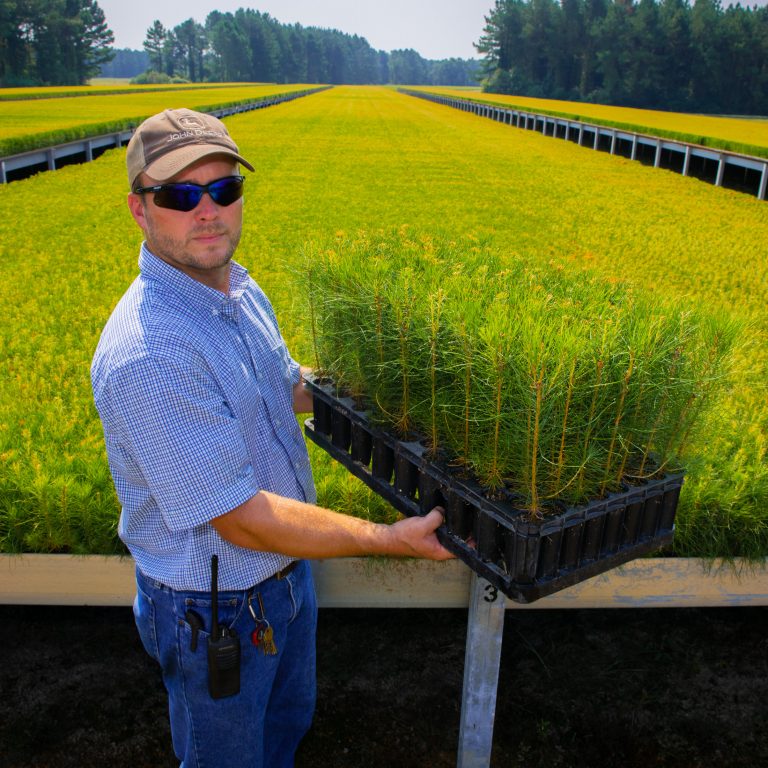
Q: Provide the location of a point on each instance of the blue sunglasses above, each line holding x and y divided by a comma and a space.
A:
186, 196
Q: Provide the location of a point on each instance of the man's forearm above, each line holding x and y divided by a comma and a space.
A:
272, 523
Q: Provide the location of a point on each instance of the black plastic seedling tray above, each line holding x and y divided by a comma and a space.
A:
524, 559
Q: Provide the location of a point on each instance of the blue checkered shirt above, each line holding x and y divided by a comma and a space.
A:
194, 389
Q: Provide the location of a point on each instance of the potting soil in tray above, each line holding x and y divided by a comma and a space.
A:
524, 559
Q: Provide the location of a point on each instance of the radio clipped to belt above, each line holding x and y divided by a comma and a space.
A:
223, 647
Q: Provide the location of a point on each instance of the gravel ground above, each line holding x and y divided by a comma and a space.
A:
591, 688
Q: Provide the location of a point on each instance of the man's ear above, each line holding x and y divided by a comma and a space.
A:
136, 207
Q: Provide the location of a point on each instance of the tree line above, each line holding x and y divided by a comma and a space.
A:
125, 63
663, 54
52, 42
251, 46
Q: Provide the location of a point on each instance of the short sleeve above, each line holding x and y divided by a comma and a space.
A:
295, 371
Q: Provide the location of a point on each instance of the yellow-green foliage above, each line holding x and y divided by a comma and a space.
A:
354, 159
66, 118
748, 135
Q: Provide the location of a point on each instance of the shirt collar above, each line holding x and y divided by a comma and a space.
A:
193, 292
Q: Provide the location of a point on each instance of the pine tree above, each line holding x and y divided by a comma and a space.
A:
94, 44
154, 45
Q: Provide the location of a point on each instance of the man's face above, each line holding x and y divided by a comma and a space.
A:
199, 242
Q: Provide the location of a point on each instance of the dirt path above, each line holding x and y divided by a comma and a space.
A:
629, 688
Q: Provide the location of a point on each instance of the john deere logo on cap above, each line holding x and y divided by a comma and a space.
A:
191, 122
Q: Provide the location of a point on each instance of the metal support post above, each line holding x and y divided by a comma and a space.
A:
687, 161
720, 171
485, 630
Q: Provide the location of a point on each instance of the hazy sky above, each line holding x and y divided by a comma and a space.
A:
437, 29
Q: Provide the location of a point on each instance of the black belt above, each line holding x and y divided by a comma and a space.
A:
285, 571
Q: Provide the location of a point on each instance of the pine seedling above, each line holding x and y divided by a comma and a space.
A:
309, 259
402, 300
608, 479
493, 408
557, 485
436, 302
464, 309
545, 359
591, 428
320, 284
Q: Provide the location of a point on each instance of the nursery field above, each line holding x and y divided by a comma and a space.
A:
348, 166
103, 87
39, 122
746, 135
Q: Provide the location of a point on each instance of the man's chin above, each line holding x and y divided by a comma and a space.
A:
211, 255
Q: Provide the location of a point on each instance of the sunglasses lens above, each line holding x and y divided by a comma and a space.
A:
185, 197
226, 191
178, 197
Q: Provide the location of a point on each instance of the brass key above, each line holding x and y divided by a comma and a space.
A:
263, 636
268, 641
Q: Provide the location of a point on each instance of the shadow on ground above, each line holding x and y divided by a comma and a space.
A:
593, 688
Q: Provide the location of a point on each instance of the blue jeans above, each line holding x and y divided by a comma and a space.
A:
261, 726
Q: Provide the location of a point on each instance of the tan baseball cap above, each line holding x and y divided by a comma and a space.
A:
167, 143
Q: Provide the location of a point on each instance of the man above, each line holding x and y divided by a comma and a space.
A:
198, 394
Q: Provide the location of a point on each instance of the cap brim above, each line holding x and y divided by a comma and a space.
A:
169, 165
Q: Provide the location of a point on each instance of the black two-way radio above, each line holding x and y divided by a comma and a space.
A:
223, 647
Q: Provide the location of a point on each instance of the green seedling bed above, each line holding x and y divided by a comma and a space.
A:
525, 559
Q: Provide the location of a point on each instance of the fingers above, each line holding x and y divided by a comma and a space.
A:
436, 516
417, 536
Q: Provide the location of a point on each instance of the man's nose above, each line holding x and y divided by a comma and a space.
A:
206, 208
